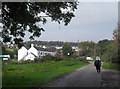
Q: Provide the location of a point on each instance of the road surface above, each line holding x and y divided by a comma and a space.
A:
82, 77
110, 78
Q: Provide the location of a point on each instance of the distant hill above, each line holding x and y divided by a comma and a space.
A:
48, 43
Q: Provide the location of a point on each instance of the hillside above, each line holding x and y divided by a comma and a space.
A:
49, 43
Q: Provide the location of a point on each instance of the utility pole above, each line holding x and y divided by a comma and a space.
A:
94, 51
78, 48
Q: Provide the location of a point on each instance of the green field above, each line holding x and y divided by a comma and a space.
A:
28, 75
112, 66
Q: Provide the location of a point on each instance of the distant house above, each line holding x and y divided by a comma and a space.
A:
33, 52
58, 47
89, 58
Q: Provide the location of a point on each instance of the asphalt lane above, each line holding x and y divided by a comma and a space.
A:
110, 78
82, 77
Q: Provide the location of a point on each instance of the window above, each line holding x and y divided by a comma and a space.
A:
41, 53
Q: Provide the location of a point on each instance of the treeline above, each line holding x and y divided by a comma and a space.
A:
107, 49
87, 48
12, 52
49, 43
112, 52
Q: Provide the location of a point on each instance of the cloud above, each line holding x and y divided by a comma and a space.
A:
93, 21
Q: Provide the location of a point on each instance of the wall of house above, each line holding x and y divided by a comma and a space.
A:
33, 50
21, 53
29, 56
26, 54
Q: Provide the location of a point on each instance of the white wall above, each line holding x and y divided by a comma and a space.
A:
21, 53
33, 50
89, 58
30, 56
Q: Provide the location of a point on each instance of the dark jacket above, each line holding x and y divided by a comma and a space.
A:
97, 63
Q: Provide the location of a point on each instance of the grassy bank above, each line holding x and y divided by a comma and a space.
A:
111, 66
27, 75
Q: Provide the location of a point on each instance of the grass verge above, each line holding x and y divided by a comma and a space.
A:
111, 66
29, 75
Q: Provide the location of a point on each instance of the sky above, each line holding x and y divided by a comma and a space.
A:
93, 21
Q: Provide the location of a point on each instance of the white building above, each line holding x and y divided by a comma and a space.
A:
22, 52
89, 58
33, 52
59, 47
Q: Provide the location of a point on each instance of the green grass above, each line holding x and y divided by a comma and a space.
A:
27, 75
112, 66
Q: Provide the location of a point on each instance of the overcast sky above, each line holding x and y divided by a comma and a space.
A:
93, 21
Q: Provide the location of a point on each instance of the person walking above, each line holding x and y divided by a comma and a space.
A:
97, 64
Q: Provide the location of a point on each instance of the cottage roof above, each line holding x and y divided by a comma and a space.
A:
32, 54
51, 49
26, 47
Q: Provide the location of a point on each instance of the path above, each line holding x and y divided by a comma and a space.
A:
83, 77
110, 78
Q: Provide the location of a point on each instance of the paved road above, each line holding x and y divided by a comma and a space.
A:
110, 78
83, 77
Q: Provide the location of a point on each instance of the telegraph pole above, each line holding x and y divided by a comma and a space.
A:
94, 51
78, 48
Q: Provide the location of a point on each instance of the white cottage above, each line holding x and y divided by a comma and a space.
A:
33, 52
22, 52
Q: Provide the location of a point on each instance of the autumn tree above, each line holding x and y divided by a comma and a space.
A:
67, 49
102, 44
113, 50
87, 48
19, 17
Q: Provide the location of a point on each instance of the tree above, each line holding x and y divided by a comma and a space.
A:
87, 48
102, 44
67, 49
112, 53
19, 17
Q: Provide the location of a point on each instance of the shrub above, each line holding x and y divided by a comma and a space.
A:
58, 58
26, 61
21, 62
83, 60
38, 60
48, 57
14, 62
74, 56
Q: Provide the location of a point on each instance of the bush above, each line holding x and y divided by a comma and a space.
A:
83, 60
74, 56
38, 60
58, 58
27, 61
14, 62
21, 62
48, 58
